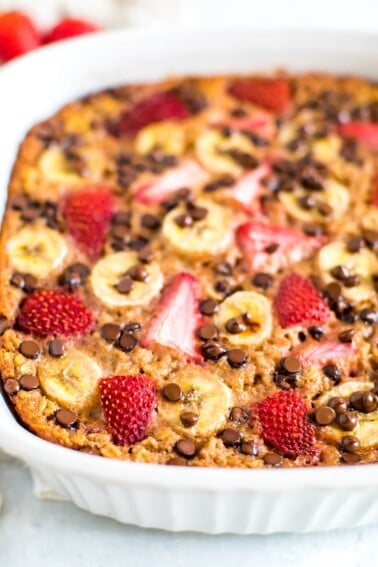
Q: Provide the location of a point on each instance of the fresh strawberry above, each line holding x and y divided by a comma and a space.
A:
298, 302
364, 132
262, 124
18, 35
87, 214
155, 108
284, 422
248, 189
272, 94
54, 312
177, 318
255, 239
128, 403
187, 174
69, 27
324, 352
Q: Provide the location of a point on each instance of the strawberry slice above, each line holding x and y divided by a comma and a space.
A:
324, 352
249, 188
270, 93
187, 174
128, 403
364, 132
256, 240
18, 35
262, 124
177, 318
87, 214
284, 422
70, 27
298, 302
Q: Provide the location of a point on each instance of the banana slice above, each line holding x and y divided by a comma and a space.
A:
166, 136
202, 393
362, 264
334, 195
71, 381
209, 236
109, 271
252, 311
212, 149
36, 250
327, 150
56, 168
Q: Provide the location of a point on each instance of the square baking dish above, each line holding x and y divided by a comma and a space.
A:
178, 498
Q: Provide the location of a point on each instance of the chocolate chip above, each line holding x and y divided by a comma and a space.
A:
245, 160
224, 287
225, 181
56, 348
29, 382
189, 418
29, 349
325, 209
151, 222
354, 244
285, 381
178, 462
133, 327
19, 202
332, 372
235, 326
4, 325
213, 351
120, 232
262, 280
369, 316
185, 448
371, 238
127, 342
369, 402
312, 178
209, 307
273, 460
122, 217
30, 283
223, 268
333, 291
198, 213
249, 448
340, 272
138, 273
316, 332
290, 365
347, 421
74, 276
324, 415
172, 392
352, 281
350, 458
184, 220
272, 248
313, 229
239, 415
11, 387
208, 332
340, 405
17, 280
110, 332
66, 418
350, 444
145, 254
125, 285
230, 437
306, 202
236, 357
346, 336
30, 213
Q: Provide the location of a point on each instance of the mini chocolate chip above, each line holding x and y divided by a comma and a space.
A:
11, 387
249, 448
125, 285
120, 232
369, 402
262, 280
80, 269
198, 213
347, 421
340, 405
178, 462
189, 418
332, 372
213, 351
247, 161
66, 418
306, 202
209, 307
19, 202
272, 248
223, 268
184, 220
324, 415
290, 365
286, 381
30, 283
346, 336
225, 181
236, 357
138, 273
354, 244
273, 460
145, 254
340, 273
29, 349
30, 213
235, 326
371, 238
132, 327
17, 280
172, 392
110, 332
4, 325
29, 382
185, 448
352, 281
230, 437
122, 217
127, 342
151, 222
313, 229
369, 316
350, 458
56, 348
333, 291
239, 415
350, 444
224, 287
325, 209
316, 332
208, 332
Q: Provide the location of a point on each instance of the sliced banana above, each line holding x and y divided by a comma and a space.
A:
334, 194
327, 150
56, 168
362, 264
259, 318
212, 150
344, 390
166, 136
203, 393
71, 381
209, 236
110, 270
36, 250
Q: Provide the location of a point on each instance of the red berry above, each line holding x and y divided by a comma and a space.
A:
323, 353
70, 27
249, 188
177, 317
285, 425
55, 312
128, 403
88, 214
18, 35
272, 94
364, 132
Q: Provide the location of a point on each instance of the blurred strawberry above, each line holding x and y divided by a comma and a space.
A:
18, 35
69, 27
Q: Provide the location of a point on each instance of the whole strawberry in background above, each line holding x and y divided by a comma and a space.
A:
18, 35
69, 27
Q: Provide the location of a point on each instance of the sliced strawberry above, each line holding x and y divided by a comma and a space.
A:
155, 108
298, 302
284, 422
18, 35
70, 27
55, 312
87, 214
324, 352
262, 124
128, 403
177, 318
270, 93
255, 239
364, 132
249, 188
187, 174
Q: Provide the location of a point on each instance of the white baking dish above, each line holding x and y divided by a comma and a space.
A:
175, 498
